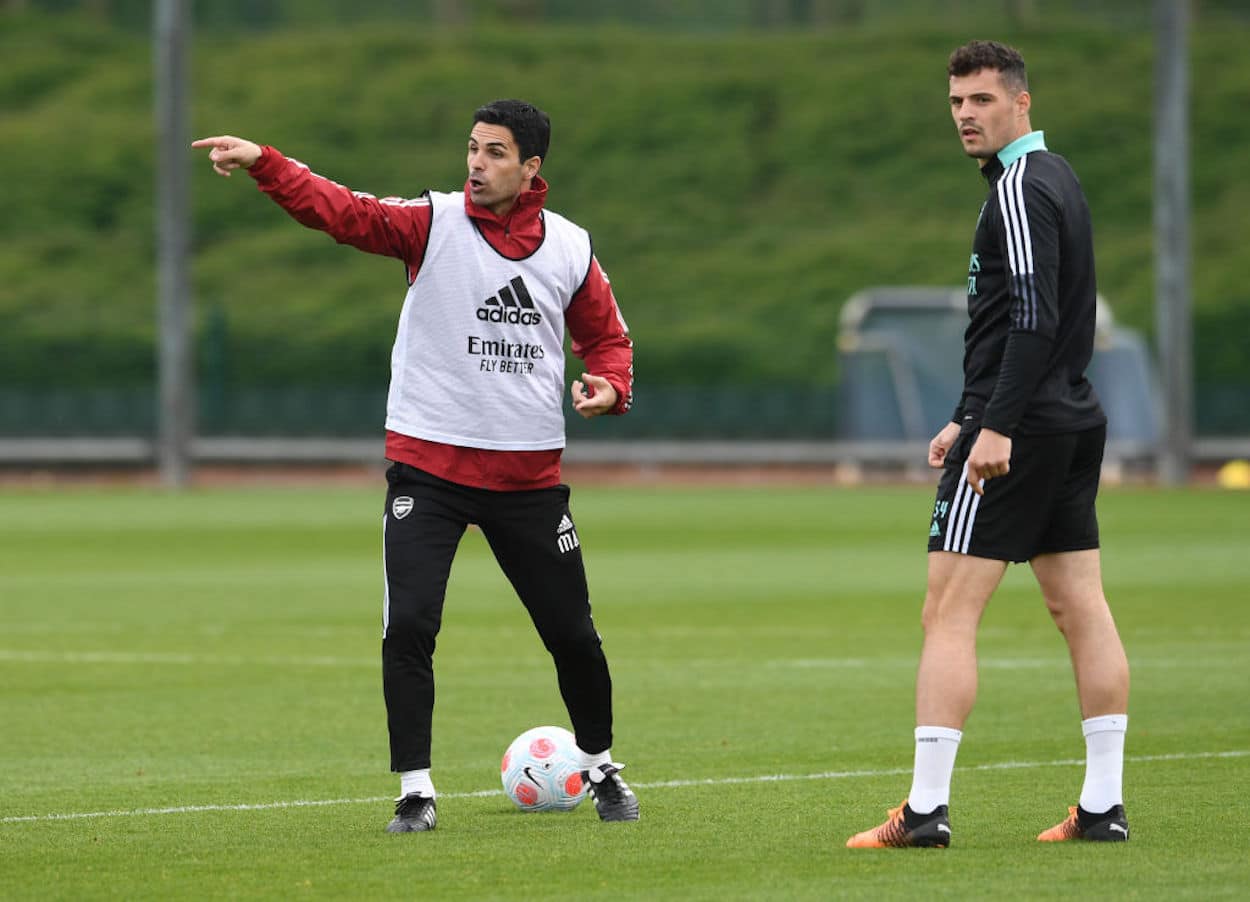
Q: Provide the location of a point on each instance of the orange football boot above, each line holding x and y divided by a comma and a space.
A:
1111, 826
904, 828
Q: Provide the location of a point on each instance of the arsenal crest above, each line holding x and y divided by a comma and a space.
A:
401, 507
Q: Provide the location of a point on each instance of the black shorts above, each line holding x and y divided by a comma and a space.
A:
1044, 505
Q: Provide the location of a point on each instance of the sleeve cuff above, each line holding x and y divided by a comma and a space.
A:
268, 163
622, 396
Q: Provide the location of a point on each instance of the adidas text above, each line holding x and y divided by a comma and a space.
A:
511, 315
512, 304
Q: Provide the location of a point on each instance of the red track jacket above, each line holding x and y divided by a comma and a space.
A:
400, 228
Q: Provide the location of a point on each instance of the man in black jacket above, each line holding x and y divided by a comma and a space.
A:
1021, 459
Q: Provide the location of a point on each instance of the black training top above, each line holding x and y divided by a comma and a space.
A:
1031, 299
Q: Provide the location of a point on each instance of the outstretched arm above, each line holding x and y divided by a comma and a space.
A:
229, 153
393, 226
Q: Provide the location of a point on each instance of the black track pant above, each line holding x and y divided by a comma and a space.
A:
532, 536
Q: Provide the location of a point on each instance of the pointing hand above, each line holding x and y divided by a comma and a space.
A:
229, 153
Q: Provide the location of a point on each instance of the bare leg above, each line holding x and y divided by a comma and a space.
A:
959, 587
1072, 586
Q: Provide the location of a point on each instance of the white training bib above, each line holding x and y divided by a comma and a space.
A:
478, 359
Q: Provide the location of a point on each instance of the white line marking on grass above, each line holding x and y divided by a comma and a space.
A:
990, 663
156, 657
666, 784
191, 809
1002, 765
16, 656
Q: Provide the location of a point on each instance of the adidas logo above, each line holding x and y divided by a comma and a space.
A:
934, 530
513, 305
566, 536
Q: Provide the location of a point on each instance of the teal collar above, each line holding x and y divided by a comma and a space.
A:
1022, 145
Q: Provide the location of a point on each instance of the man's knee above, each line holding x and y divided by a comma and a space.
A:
411, 626
949, 613
1078, 611
931, 611
957, 590
574, 638
1058, 611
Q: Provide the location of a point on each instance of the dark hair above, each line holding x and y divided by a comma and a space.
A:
977, 55
530, 126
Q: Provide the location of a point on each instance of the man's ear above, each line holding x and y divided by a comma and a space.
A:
1023, 102
531, 166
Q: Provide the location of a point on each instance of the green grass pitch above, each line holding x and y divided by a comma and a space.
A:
190, 703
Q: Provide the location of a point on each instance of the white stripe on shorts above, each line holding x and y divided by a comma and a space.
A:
963, 514
972, 519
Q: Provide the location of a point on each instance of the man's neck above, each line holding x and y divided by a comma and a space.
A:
982, 161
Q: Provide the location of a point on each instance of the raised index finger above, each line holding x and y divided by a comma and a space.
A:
211, 142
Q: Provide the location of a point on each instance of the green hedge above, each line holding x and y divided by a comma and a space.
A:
739, 187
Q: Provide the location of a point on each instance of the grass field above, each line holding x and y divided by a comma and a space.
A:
190, 703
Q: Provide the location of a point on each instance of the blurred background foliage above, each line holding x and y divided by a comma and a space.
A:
743, 166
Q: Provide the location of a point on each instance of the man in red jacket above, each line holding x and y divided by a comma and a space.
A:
474, 421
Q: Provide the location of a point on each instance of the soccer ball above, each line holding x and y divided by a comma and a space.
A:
541, 770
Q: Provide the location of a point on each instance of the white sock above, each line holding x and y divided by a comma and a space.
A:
935, 761
591, 763
417, 781
1104, 762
